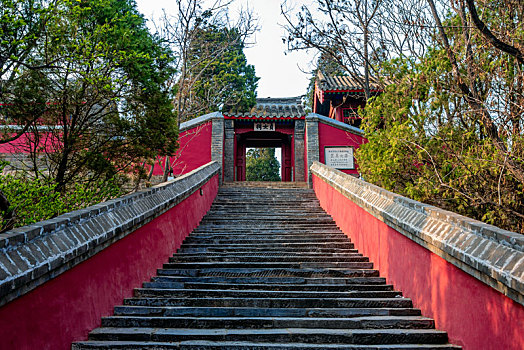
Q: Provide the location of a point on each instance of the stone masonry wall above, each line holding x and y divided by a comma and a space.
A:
34, 254
488, 253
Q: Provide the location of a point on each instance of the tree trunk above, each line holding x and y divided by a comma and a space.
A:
366, 63
167, 169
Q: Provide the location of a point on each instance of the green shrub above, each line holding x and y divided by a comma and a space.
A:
36, 199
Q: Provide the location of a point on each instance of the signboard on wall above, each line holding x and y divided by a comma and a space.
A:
264, 127
339, 157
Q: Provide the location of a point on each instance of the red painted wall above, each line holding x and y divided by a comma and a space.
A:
193, 152
67, 307
331, 136
47, 142
475, 315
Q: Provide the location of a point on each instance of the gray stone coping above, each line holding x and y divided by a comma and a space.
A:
34, 254
193, 123
490, 254
335, 123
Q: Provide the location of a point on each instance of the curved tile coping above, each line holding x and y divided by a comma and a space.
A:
492, 255
31, 255
335, 123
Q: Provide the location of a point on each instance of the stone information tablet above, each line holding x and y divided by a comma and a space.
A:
339, 157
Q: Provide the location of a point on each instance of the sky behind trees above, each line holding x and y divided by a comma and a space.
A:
281, 75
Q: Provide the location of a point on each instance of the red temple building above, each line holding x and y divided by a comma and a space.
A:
339, 97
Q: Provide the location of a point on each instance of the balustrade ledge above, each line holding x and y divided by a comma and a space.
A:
490, 254
33, 254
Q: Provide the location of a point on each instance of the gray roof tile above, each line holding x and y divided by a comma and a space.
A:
288, 107
340, 82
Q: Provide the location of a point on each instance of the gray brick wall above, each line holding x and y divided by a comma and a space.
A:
490, 254
229, 150
313, 148
217, 141
300, 127
31, 255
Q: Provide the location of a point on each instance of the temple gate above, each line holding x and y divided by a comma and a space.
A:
273, 122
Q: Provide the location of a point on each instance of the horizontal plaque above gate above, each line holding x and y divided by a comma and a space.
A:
264, 127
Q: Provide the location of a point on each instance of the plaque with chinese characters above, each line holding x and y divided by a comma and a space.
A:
264, 127
339, 157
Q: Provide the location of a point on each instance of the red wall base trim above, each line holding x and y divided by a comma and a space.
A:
475, 315
67, 307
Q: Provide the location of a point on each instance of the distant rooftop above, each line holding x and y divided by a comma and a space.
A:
279, 107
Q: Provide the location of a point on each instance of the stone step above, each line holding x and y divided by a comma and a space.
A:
265, 250
302, 246
224, 345
268, 221
248, 210
245, 293
274, 287
308, 255
266, 269
306, 335
299, 259
367, 322
264, 235
178, 311
262, 231
270, 272
274, 302
227, 239
267, 264
346, 281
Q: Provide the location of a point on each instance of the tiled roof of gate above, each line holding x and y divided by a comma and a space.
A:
284, 107
344, 83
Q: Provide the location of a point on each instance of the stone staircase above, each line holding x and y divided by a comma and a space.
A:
266, 269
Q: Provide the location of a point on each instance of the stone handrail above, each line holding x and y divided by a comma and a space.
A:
31, 255
490, 254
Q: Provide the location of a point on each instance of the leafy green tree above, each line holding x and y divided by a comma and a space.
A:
427, 142
210, 70
208, 43
226, 83
108, 105
23, 84
262, 165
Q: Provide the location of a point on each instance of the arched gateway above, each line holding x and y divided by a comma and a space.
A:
273, 122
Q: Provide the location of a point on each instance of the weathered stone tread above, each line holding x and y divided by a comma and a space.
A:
266, 269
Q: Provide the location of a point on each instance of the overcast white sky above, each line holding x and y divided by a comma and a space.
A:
280, 75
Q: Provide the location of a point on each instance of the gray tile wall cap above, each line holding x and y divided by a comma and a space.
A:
47, 248
335, 123
190, 124
490, 254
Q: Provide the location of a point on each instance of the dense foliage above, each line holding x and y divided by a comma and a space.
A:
101, 86
262, 165
32, 200
448, 128
426, 140
86, 83
226, 83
